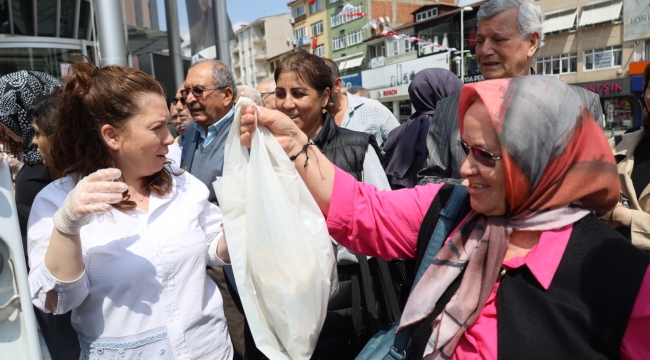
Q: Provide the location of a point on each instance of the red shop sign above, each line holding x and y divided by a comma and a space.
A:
605, 89
390, 92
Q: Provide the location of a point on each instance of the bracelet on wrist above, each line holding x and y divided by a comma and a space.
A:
303, 150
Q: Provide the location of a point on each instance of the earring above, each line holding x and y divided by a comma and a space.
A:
324, 111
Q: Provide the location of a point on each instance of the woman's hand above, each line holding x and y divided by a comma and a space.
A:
93, 194
285, 131
619, 216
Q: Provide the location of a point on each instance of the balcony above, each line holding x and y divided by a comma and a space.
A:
236, 64
299, 19
303, 41
258, 38
261, 74
260, 56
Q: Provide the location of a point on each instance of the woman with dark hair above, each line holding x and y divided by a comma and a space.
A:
121, 239
304, 83
631, 216
406, 146
18, 91
43, 115
528, 272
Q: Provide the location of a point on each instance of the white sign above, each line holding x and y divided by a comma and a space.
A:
64, 68
402, 73
376, 62
636, 19
603, 60
390, 92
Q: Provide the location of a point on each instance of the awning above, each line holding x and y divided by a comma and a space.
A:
560, 19
350, 62
144, 40
600, 11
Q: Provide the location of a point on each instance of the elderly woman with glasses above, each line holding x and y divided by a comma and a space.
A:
529, 272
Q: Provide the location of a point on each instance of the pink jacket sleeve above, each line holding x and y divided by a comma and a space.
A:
383, 224
635, 344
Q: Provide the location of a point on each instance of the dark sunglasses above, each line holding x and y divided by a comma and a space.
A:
481, 155
198, 91
176, 100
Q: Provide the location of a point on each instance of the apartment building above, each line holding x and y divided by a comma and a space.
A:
310, 26
585, 46
263, 39
429, 38
350, 25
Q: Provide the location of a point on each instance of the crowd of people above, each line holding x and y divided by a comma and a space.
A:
128, 255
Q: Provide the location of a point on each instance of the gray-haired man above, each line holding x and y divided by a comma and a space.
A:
509, 34
209, 93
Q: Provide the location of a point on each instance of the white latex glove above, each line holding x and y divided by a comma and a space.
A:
92, 195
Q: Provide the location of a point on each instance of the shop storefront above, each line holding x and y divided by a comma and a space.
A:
617, 102
389, 84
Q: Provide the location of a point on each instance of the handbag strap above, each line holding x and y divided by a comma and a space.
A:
443, 227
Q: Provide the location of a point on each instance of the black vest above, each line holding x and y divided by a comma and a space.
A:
349, 321
583, 314
343, 147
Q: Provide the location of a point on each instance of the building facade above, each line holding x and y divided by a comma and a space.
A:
428, 38
309, 23
263, 39
585, 46
44, 35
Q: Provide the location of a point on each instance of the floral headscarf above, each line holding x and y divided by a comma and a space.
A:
558, 168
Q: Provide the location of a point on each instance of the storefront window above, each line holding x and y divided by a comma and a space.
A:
618, 112
49, 61
46, 13
23, 15
84, 20
4, 18
404, 110
67, 18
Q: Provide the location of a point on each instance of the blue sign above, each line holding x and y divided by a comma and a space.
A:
637, 84
351, 80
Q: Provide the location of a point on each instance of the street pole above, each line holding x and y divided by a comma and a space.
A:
174, 40
221, 31
462, 46
462, 42
111, 34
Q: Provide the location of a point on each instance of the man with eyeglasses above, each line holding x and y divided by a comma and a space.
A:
502, 52
209, 92
266, 88
180, 116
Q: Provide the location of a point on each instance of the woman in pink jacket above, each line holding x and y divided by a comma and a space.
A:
537, 276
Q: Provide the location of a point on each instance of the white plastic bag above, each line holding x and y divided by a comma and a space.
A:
279, 246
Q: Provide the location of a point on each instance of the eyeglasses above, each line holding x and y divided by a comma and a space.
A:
265, 94
198, 91
176, 100
481, 155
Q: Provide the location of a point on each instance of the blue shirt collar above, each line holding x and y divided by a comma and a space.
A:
214, 128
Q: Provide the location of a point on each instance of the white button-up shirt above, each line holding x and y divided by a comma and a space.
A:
144, 292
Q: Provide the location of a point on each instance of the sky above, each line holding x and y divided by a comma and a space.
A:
240, 11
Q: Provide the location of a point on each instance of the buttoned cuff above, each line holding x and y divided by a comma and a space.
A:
70, 293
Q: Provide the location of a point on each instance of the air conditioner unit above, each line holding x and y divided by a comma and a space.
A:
293, 42
292, 21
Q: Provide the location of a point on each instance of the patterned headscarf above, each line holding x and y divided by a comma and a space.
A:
558, 168
18, 91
